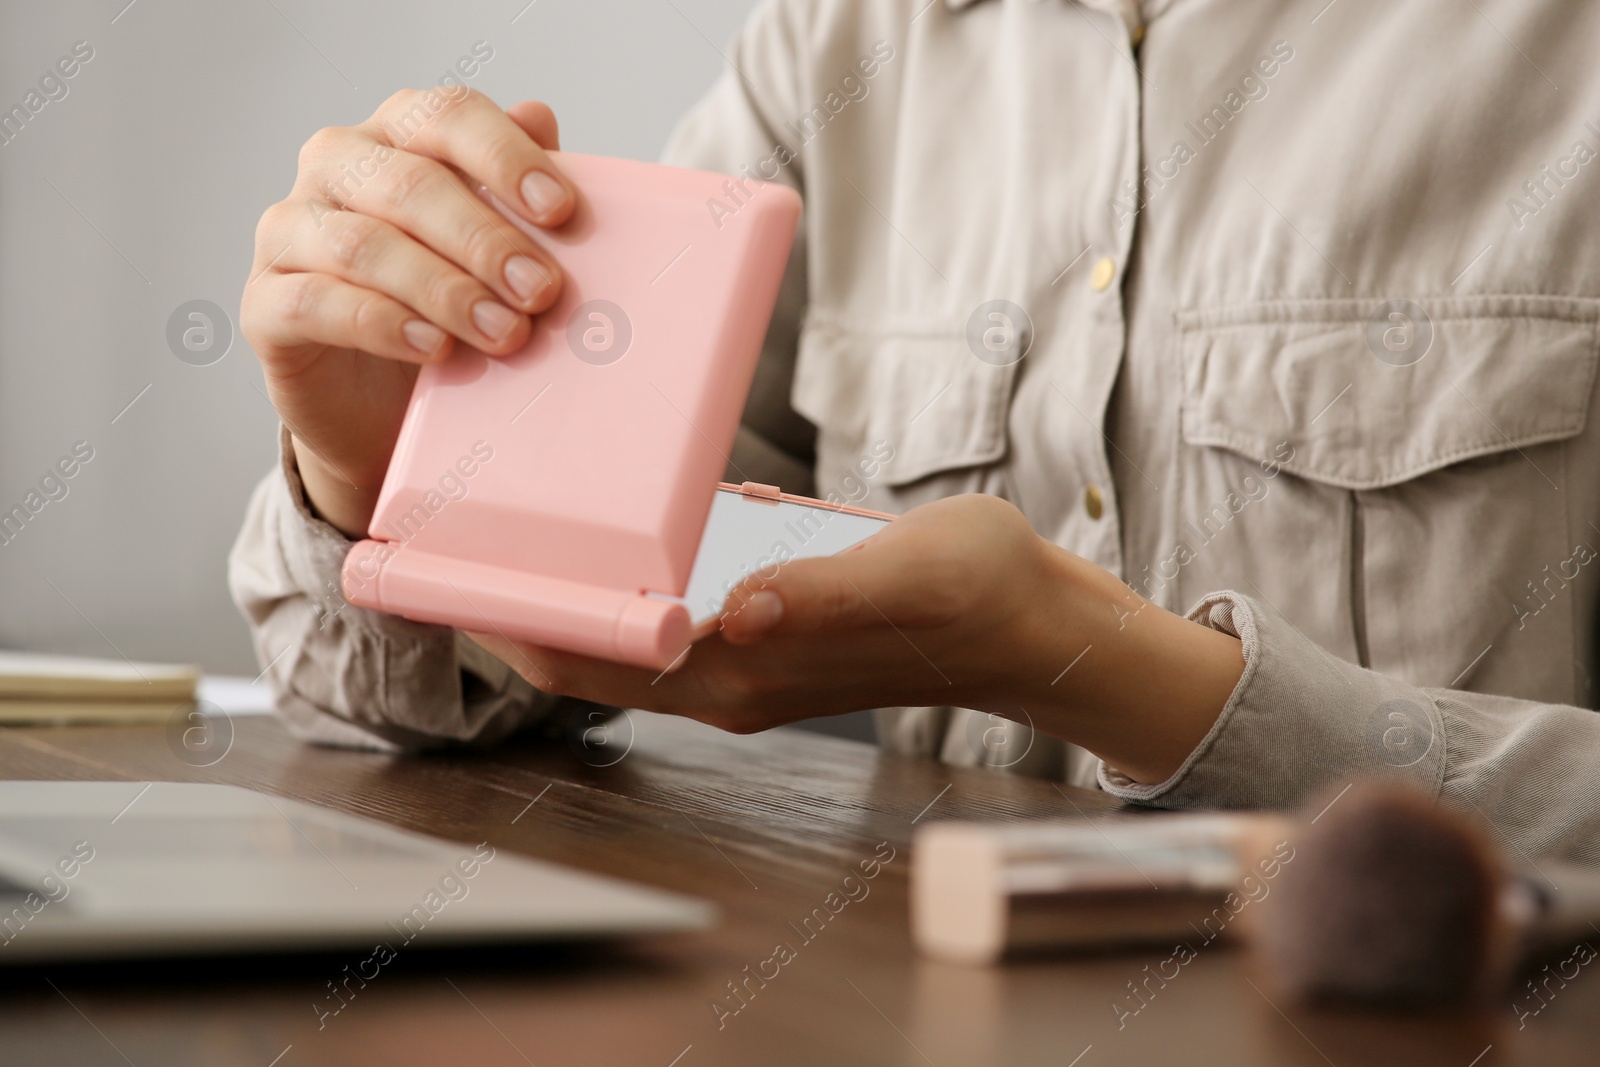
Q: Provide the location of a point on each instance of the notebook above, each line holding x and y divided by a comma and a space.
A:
35, 687
559, 495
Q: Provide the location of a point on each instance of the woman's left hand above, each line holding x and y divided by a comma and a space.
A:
957, 602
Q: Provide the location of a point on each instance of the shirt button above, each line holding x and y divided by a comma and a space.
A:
1093, 502
1105, 269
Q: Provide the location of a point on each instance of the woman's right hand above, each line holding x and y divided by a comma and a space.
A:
381, 258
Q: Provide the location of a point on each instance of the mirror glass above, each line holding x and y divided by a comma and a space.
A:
745, 535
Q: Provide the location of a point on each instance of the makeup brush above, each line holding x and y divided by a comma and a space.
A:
1390, 898
1395, 900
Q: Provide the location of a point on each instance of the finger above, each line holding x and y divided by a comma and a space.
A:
374, 254
739, 689
470, 132
297, 308
539, 122
426, 199
811, 595
569, 674
432, 203
521, 658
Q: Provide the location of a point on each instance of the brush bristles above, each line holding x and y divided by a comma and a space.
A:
1389, 901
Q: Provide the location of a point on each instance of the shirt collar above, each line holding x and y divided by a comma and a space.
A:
1128, 9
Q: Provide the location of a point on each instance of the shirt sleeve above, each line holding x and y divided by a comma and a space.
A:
343, 675
1301, 722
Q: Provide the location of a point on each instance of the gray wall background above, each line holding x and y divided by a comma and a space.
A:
139, 191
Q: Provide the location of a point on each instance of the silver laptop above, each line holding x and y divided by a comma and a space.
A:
101, 870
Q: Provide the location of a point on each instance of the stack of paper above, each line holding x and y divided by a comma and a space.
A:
41, 688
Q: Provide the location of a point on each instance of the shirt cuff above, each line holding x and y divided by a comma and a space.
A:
1298, 721
314, 550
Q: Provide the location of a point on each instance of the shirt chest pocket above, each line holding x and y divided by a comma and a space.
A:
1394, 479
908, 413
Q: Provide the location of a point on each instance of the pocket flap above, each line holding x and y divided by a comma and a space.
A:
924, 394
1495, 373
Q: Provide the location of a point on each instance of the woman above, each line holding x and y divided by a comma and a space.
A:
1296, 333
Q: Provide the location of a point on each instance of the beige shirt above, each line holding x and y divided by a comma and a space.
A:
1280, 301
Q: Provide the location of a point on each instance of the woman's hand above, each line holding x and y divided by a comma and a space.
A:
382, 258
957, 602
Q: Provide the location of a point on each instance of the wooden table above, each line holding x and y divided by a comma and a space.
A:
766, 827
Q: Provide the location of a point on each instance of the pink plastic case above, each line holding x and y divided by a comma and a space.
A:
556, 496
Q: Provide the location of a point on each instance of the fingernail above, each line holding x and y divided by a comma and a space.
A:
526, 277
494, 320
762, 612
542, 193
425, 337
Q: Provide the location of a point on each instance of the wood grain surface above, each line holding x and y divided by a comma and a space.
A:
766, 827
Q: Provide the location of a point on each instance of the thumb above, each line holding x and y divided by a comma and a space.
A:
809, 596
